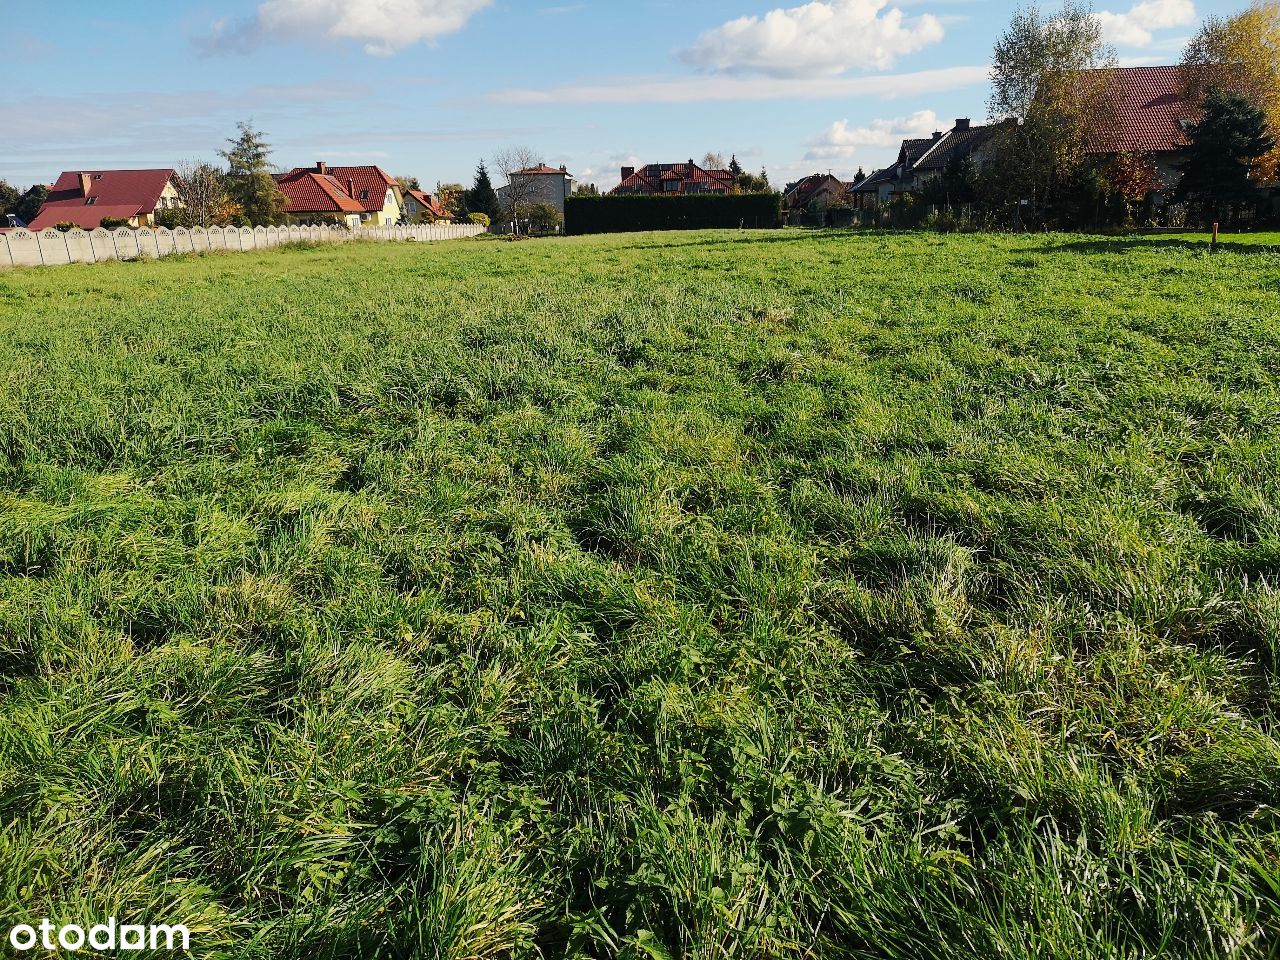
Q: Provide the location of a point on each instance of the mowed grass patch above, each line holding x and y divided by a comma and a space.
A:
677, 595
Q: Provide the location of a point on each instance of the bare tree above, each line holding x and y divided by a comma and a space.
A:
202, 188
520, 190
713, 161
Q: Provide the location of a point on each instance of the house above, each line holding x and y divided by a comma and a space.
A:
811, 197
923, 158
540, 184
86, 197
422, 207
673, 179
316, 196
1148, 117
875, 189
379, 194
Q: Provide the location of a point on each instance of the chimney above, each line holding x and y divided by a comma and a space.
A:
351, 188
937, 134
627, 172
85, 182
962, 123
322, 168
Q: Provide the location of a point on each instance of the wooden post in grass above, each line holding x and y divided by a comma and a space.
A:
1213, 241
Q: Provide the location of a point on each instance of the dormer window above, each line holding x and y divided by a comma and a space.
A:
90, 201
364, 194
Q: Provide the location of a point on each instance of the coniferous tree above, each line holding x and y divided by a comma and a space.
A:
482, 198
1218, 173
251, 184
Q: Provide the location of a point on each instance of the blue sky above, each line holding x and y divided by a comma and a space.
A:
429, 87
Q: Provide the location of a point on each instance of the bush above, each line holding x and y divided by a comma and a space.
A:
623, 214
480, 220
170, 218
113, 223
64, 226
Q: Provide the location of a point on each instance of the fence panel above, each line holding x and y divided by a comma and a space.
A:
79, 246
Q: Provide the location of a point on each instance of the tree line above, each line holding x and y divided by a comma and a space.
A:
1052, 103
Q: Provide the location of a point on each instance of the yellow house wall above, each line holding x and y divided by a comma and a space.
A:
390, 213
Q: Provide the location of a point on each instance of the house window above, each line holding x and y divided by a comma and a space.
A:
90, 201
364, 194
670, 186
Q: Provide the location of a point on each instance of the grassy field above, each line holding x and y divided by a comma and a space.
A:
731, 595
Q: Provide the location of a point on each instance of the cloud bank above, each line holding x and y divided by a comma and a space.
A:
1136, 27
385, 26
817, 39
841, 141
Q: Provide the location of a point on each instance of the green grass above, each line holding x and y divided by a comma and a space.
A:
692, 595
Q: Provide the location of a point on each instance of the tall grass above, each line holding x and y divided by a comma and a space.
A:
708, 595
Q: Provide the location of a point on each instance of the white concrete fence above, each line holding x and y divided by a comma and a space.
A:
25, 248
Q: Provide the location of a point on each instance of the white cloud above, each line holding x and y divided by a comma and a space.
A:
1135, 28
817, 39
385, 26
726, 89
841, 141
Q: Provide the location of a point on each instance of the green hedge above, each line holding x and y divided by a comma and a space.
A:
700, 211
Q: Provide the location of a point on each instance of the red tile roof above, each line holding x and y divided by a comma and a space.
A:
429, 204
689, 178
306, 191
373, 182
122, 194
1150, 114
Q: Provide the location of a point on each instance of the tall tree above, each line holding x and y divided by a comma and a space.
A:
1218, 173
409, 183
29, 203
9, 197
1049, 75
1241, 55
482, 198
251, 184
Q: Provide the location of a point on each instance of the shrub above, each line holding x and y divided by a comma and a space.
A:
479, 219
622, 214
113, 223
170, 218
64, 225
